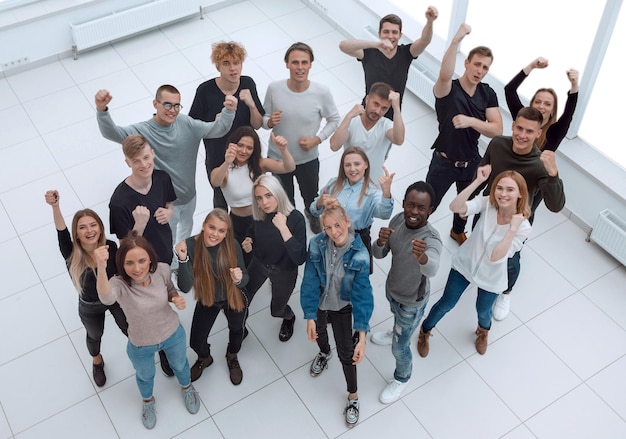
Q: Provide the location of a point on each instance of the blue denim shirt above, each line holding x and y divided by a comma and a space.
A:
355, 286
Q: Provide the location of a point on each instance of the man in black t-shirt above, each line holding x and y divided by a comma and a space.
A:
385, 60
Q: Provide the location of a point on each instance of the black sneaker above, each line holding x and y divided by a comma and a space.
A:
165, 365
98, 374
199, 366
286, 329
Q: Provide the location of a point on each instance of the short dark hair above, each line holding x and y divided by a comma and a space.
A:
299, 46
165, 87
530, 113
390, 18
422, 186
380, 89
130, 242
480, 50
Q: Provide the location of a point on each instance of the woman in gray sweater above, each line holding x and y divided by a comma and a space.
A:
143, 287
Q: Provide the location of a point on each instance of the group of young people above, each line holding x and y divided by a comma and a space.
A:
255, 233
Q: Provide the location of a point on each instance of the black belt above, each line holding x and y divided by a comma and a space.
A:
455, 163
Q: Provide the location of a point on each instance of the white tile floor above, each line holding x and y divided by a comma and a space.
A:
555, 367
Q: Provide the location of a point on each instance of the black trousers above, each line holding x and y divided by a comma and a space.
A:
341, 321
92, 315
202, 323
308, 176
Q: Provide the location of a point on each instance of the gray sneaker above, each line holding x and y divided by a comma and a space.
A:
352, 412
192, 399
320, 362
148, 417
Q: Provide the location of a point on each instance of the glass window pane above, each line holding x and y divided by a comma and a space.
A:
604, 113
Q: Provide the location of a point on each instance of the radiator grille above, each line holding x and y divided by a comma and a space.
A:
610, 234
130, 21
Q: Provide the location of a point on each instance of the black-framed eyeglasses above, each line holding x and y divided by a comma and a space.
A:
168, 106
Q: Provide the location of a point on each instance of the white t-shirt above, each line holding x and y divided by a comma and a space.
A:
473, 258
374, 142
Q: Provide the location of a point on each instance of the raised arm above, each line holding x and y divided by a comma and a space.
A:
418, 46
256, 118
219, 175
355, 47
459, 204
52, 198
502, 249
107, 127
558, 130
444, 81
396, 133
340, 136
102, 281
288, 164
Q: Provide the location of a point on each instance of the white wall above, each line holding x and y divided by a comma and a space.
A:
48, 36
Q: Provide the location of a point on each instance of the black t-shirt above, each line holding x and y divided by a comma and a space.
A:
125, 199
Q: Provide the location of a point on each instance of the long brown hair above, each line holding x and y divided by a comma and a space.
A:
204, 277
541, 140
254, 162
341, 176
522, 202
127, 244
79, 261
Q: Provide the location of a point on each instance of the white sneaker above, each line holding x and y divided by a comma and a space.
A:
392, 391
502, 306
382, 338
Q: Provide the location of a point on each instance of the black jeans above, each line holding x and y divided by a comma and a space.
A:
202, 323
341, 321
92, 315
308, 176
441, 175
283, 283
240, 227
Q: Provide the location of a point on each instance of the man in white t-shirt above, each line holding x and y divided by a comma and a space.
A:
371, 131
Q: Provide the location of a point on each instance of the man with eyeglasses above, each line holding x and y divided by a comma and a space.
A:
175, 138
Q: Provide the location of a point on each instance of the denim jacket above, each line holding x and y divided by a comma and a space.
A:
355, 286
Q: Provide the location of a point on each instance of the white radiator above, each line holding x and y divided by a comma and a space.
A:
130, 21
418, 82
610, 234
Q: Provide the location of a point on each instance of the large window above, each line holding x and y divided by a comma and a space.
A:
562, 32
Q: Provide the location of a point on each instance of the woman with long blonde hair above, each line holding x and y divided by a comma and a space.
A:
78, 251
358, 194
212, 263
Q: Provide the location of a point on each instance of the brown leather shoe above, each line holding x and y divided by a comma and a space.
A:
234, 369
423, 346
458, 237
481, 340
199, 366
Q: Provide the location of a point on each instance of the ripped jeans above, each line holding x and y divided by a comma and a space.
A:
405, 322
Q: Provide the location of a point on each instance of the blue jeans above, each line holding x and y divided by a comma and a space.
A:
405, 321
142, 357
455, 287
